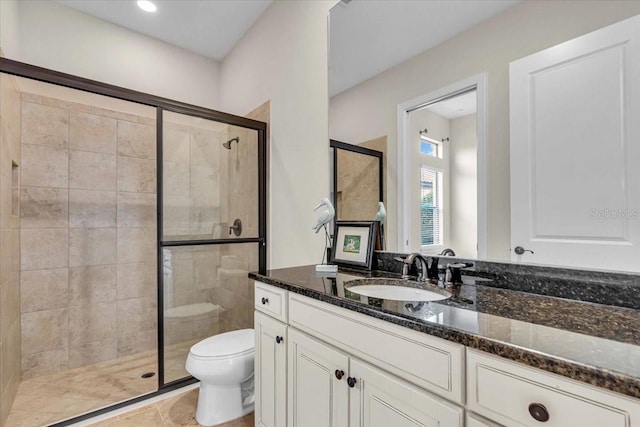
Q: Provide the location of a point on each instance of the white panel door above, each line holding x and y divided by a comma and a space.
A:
317, 397
379, 399
270, 372
575, 151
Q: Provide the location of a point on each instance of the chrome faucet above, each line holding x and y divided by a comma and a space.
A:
423, 269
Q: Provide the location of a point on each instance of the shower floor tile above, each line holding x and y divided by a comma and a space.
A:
179, 410
51, 398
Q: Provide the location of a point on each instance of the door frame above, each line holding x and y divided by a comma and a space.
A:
479, 83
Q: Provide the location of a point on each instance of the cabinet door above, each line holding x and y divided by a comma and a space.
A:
477, 421
379, 399
270, 372
316, 396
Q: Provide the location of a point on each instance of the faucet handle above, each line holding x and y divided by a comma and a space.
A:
454, 274
405, 266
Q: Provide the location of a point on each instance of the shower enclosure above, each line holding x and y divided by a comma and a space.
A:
128, 223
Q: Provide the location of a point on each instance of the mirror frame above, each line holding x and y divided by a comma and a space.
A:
339, 145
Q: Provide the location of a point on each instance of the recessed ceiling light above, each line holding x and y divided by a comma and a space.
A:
147, 6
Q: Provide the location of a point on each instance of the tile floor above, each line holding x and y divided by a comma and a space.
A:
179, 410
50, 398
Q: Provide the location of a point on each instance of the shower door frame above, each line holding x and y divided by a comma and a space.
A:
28, 71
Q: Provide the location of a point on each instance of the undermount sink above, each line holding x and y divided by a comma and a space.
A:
395, 289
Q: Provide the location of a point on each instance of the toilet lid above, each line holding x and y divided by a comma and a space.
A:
226, 344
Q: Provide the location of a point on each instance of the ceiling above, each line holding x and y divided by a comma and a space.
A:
208, 27
457, 106
368, 37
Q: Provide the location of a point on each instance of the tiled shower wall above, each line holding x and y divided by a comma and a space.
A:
88, 236
206, 187
9, 243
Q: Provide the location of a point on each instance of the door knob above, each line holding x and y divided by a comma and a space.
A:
519, 250
339, 374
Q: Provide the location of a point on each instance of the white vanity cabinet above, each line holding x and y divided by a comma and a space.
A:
518, 395
318, 394
270, 356
345, 369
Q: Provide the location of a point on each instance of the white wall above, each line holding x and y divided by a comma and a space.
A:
464, 185
8, 27
53, 36
283, 58
369, 109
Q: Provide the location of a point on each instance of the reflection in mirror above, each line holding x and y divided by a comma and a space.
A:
364, 102
443, 141
357, 180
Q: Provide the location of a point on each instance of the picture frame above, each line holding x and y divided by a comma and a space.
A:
354, 243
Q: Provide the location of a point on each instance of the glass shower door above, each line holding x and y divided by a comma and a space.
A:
210, 234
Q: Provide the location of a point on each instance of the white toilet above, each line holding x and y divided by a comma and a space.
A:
224, 366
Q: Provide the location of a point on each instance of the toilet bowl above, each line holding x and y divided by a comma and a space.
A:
224, 366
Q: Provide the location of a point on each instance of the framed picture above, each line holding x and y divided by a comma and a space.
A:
353, 243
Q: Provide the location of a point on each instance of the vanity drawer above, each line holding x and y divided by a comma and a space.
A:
507, 392
431, 363
271, 300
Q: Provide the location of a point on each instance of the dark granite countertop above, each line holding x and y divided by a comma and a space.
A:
593, 343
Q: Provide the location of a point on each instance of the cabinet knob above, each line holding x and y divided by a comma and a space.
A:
339, 374
265, 300
279, 339
539, 412
351, 382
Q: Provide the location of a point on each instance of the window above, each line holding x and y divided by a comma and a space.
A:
429, 147
430, 207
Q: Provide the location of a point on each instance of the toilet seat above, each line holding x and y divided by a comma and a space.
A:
225, 346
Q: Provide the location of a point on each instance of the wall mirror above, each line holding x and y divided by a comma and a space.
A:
384, 54
357, 180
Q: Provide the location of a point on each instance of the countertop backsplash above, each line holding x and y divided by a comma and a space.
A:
597, 286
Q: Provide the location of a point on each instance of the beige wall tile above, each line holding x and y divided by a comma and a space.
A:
9, 305
46, 362
182, 276
136, 245
92, 246
137, 210
91, 353
45, 125
176, 145
44, 248
9, 148
177, 215
10, 104
90, 323
136, 175
10, 358
44, 330
176, 179
136, 342
9, 254
92, 209
44, 289
90, 132
136, 140
92, 284
44, 166
137, 280
205, 268
136, 315
44, 207
92, 171
206, 147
